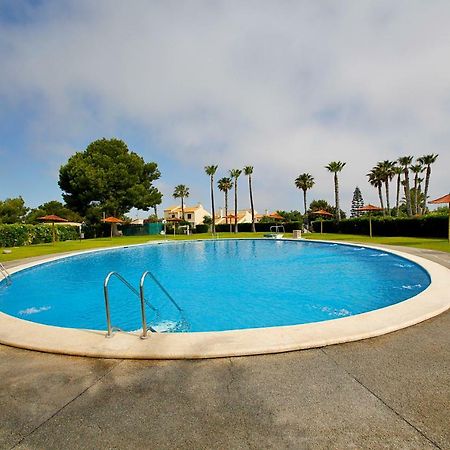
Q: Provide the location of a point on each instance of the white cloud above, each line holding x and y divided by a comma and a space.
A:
284, 86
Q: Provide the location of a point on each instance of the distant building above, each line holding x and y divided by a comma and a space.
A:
243, 216
192, 214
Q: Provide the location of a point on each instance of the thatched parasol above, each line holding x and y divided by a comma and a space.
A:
368, 209
444, 199
52, 218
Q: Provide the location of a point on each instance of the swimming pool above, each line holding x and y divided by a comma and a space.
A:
220, 285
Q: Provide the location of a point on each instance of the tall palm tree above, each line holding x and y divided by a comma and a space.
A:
234, 173
304, 182
248, 170
416, 169
387, 172
335, 167
427, 160
211, 170
405, 162
397, 170
376, 180
181, 191
225, 184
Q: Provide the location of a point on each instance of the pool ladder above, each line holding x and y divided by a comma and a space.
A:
5, 274
139, 294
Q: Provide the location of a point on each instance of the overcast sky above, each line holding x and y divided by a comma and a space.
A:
285, 86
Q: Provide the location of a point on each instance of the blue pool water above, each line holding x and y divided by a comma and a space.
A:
220, 285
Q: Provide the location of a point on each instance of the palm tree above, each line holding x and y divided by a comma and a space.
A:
181, 191
335, 167
376, 180
304, 181
427, 160
405, 161
225, 184
387, 172
416, 169
234, 173
248, 170
211, 170
397, 170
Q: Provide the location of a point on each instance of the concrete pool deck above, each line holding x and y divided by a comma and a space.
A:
429, 303
391, 391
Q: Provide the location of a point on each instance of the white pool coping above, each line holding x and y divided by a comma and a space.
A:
196, 345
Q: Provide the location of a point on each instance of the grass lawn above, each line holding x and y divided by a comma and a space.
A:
70, 246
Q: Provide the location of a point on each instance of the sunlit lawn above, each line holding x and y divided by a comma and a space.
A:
70, 246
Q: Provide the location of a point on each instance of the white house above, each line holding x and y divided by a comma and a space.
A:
192, 214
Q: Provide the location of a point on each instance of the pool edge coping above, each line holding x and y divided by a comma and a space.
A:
431, 302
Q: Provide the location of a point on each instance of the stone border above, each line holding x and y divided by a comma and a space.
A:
196, 345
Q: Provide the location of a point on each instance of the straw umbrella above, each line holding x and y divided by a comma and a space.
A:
444, 199
322, 212
368, 209
175, 221
52, 218
113, 221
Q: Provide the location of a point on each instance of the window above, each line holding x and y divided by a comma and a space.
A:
189, 216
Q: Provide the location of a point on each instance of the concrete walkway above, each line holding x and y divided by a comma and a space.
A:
387, 392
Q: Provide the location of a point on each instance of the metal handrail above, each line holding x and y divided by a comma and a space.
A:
141, 289
5, 274
129, 286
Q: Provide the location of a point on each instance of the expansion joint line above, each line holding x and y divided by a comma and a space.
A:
67, 404
380, 399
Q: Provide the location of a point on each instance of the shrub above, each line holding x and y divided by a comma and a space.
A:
201, 228
17, 235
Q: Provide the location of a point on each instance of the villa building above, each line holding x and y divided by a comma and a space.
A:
192, 214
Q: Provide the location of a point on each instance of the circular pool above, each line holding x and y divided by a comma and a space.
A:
219, 285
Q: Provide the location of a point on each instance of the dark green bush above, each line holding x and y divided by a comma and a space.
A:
201, 228
16, 235
425, 226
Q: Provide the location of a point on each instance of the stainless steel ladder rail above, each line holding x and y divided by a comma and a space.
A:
141, 289
129, 286
5, 274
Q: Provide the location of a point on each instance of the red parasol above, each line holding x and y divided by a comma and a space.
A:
113, 221
444, 199
369, 208
52, 218
322, 212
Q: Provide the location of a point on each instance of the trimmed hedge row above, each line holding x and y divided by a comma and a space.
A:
424, 226
260, 227
16, 235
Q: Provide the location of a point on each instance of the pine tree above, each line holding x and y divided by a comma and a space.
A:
357, 202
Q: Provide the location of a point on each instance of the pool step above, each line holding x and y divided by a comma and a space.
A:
5, 274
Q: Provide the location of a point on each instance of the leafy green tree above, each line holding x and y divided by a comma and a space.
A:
110, 177
248, 170
427, 160
53, 207
211, 170
291, 216
357, 202
315, 205
405, 162
181, 191
13, 210
336, 167
304, 182
225, 185
234, 174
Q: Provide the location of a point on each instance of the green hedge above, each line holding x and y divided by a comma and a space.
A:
16, 235
260, 227
424, 226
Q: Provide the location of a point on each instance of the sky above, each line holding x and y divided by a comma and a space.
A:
285, 86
